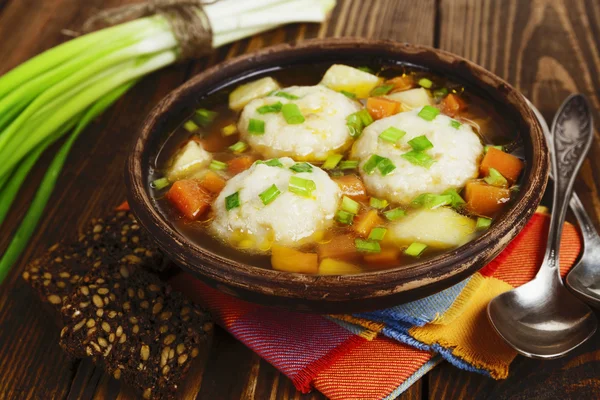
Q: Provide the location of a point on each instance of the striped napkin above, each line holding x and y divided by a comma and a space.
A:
379, 354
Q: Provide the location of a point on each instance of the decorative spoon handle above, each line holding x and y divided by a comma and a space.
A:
572, 135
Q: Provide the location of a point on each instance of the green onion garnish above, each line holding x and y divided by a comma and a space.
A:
349, 164
381, 90
350, 205
495, 178
256, 126
301, 186
515, 188
439, 93
426, 83
455, 124
344, 217
377, 234
274, 162
270, 108
332, 161
367, 246
301, 167
457, 201
394, 214
229, 130
418, 158
378, 203
420, 143
358, 121
486, 148
238, 147
483, 223
428, 113
431, 201
285, 95
292, 114
160, 183
386, 166
415, 249
204, 117
366, 69
350, 95
269, 195
232, 201
365, 117
190, 126
216, 165
392, 134
371, 164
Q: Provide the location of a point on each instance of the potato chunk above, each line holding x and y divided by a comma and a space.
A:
440, 228
247, 92
191, 159
411, 99
342, 77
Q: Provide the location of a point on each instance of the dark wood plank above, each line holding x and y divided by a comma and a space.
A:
547, 49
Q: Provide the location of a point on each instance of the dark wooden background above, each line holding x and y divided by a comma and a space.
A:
546, 48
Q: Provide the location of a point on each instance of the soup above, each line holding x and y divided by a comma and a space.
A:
334, 169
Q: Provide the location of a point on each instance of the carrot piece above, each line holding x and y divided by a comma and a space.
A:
366, 221
484, 199
403, 82
387, 258
341, 247
213, 182
508, 165
352, 187
190, 199
453, 104
124, 206
380, 107
239, 164
329, 266
291, 260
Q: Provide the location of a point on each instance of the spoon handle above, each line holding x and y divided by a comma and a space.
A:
572, 131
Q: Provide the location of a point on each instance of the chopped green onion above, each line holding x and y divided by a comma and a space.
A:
204, 117
229, 130
483, 223
301, 167
269, 195
285, 95
455, 124
371, 164
426, 83
190, 126
332, 161
394, 214
392, 134
365, 117
232, 201
420, 143
495, 178
256, 126
378, 203
216, 165
439, 93
486, 148
428, 113
366, 69
457, 201
350, 205
367, 246
344, 217
292, 114
349, 164
270, 108
301, 186
386, 166
274, 162
415, 249
431, 201
515, 188
419, 158
377, 234
358, 121
238, 147
160, 183
381, 90
350, 95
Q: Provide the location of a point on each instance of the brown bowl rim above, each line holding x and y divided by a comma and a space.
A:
375, 284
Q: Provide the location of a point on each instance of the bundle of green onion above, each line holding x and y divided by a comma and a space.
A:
62, 90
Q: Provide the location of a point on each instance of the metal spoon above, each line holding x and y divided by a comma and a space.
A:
542, 319
584, 277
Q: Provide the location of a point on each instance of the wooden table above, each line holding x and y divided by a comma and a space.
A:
546, 48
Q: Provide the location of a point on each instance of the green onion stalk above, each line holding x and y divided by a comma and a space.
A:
60, 91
